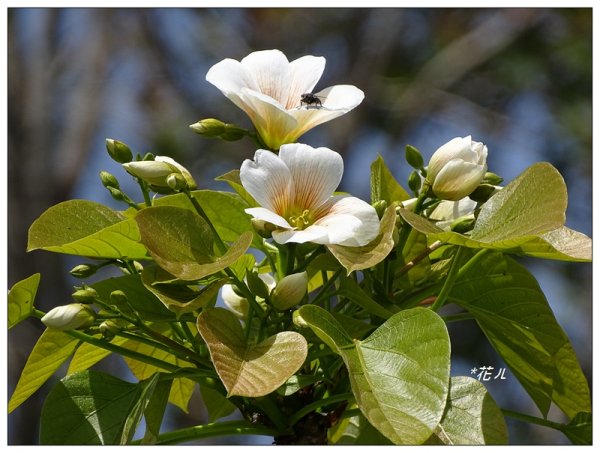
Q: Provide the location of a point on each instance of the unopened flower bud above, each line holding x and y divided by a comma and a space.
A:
85, 295
492, 179
233, 133
109, 329
68, 317
155, 172
118, 297
237, 303
413, 157
290, 291
380, 207
118, 151
116, 193
209, 127
457, 168
108, 180
176, 182
83, 270
258, 285
414, 181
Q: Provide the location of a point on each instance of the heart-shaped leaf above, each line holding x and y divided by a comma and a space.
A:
471, 417
20, 299
86, 228
181, 242
249, 370
399, 375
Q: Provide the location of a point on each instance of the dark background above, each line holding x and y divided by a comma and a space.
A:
519, 80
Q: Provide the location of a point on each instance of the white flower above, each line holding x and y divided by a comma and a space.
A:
268, 88
156, 172
447, 212
457, 167
295, 192
239, 304
67, 317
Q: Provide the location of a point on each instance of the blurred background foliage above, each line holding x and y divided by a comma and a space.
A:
519, 80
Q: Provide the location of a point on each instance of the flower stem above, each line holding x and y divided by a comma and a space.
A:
212, 430
450, 279
532, 419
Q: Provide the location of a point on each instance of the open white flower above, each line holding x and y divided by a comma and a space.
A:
295, 192
268, 88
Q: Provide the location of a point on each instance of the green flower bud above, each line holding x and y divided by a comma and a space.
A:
83, 270
118, 151
109, 329
68, 317
155, 172
380, 207
118, 297
414, 181
116, 193
413, 157
289, 291
209, 127
108, 180
492, 178
176, 181
233, 133
85, 295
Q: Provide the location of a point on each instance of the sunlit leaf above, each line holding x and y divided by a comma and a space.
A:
471, 417
399, 374
216, 404
383, 184
233, 179
86, 228
579, 429
249, 370
358, 258
51, 350
20, 299
509, 306
93, 408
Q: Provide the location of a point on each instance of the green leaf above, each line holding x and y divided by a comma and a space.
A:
350, 289
181, 242
399, 375
233, 179
383, 184
297, 382
216, 404
249, 370
20, 299
579, 430
51, 350
509, 306
86, 228
87, 355
145, 304
356, 430
358, 258
137, 411
182, 388
155, 411
92, 408
472, 416
178, 298
533, 203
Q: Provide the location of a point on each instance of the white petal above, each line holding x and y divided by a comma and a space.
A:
230, 76
457, 179
316, 173
350, 221
269, 69
268, 180
268, 216
303, 75
314, 233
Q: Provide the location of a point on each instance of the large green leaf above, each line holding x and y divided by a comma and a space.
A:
20, 299
217, 406
51, 350
471, 417
145, 304
525, 217
87, 355
249, 370
86, 228
383, 184
399, 374
182, 243
93, 408
358, 258
514, 314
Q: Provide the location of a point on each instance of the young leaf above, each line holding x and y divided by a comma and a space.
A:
51, 350
383, 184
233, 179
92, 408
513, 313
358, 258
181, 242
216, 404
155, 411
20, 299
248, 370
399, 375
471, 417
87, 355
579, 429
86, 228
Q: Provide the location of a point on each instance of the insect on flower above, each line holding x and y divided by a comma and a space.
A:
309, 99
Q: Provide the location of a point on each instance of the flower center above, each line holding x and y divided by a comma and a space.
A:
300, 221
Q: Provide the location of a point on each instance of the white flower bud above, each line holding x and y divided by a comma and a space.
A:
156, 172
289, 291
239, 304
68, 317
457, 168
